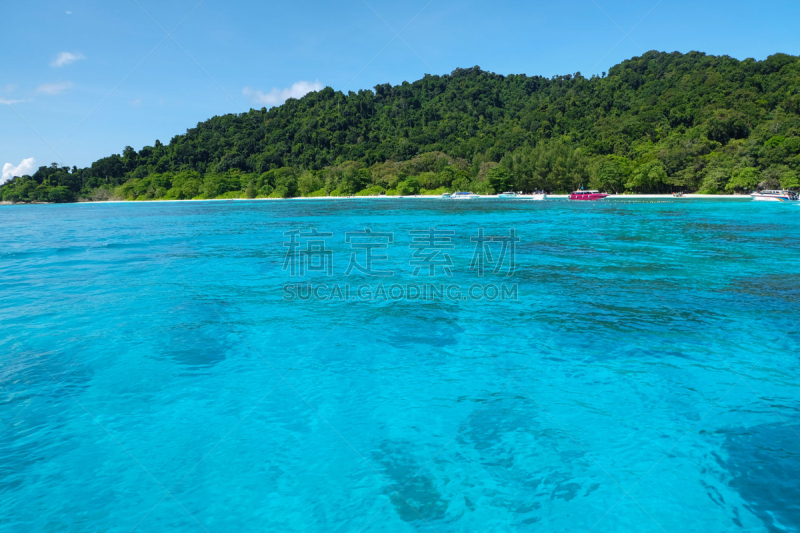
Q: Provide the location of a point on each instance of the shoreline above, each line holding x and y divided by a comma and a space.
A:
610, 198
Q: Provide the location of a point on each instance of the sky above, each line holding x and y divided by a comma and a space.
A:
82, 79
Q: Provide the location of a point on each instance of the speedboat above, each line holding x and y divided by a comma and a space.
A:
508, 194
775, 196
463, 196
446, 195
587, 195
539, 196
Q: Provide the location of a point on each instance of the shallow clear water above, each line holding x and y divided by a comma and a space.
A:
155, 375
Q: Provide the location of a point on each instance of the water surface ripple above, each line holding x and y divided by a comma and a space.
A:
153, 377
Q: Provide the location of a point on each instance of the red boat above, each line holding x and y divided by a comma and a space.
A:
587, 195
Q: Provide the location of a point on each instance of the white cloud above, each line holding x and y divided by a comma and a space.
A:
10, 88
278, 96
65, 58
11, 102
136, 102
68, 12
54, 88
26, 167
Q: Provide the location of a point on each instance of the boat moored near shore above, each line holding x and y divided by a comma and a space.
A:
587, 195
775, 196
464, 196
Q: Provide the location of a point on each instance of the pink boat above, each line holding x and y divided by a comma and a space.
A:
587, 195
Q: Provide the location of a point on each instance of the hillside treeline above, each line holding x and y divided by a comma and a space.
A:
657, 123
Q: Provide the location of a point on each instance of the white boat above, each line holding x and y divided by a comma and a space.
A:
463, 196
446, 195
775, 196
509, 194
539, 196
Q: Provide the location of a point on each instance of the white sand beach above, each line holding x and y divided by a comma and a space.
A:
611, 198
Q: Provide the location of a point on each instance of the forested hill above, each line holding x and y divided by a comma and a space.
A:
655, 123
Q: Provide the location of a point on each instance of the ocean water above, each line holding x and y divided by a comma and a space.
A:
162, 370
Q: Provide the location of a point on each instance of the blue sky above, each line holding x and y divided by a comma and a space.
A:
81, 79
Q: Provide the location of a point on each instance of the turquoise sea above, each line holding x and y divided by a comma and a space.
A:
156, 374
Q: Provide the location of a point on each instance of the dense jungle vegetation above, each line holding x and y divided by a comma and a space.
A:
657, 123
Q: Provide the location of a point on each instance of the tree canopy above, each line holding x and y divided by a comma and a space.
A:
655, 123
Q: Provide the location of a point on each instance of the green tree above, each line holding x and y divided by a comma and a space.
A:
309, 182
405, 188
786, 177
614, 173
743, 179
499, 179
285, 182
60, 195
251, 191
648, 176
